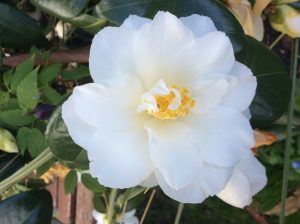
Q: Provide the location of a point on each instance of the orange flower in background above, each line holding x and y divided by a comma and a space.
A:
250, 18
57, 170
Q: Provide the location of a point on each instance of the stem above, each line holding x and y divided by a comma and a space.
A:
179, 213
288, 142
147, 206
111, 205
26, 170
123, 212
276, 41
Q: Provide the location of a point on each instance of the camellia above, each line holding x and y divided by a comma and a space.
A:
169, 107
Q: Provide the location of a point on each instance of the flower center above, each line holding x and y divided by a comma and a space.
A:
166, 102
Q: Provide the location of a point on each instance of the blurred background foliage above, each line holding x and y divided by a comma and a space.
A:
44, 54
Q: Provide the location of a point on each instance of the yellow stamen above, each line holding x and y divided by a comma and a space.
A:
163, 102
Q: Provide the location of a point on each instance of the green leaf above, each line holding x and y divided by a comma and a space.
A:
31, 207
4, 98
11, 104
22, 139
92, 183
32, 139
7, 76
77, 73
15, 118
22, 70
61, 8
62, 144
19, 30
273, 83
49, 73
36, 142
27, 91
51, 95
99, 203
70, 182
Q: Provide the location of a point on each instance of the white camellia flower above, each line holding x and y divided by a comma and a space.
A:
168, 107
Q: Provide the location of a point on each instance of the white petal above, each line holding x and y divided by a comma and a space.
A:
208, 94
149, 181
242, 94
212, 179
120, 159
189, 194
237, 192
75, 124
247, 114
255, 172
224, 136
135, 22
111, 55
208, 57
200, 25
109, 107
173, 151
248, 178
157, 44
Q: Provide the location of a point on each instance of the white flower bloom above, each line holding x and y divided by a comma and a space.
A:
129, 218
167, 107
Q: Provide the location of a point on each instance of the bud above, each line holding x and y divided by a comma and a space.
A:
286, 19
7, 142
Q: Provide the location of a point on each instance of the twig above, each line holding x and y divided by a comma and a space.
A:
260, 219
147, 206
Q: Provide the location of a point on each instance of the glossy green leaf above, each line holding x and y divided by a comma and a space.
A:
61, 8
19, 30
88, 23
273, 83
92, 183
118, 10
62, 145
27, 91
70, 181
15, 118
31, 207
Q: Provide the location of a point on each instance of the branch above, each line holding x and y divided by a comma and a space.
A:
79, 55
